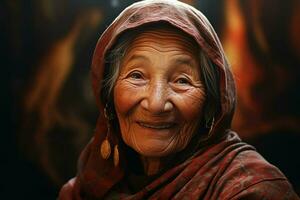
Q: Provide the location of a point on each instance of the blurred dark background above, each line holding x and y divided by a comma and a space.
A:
49, 112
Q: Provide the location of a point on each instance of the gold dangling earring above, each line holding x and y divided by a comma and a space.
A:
116, 155
105, 146
105, 149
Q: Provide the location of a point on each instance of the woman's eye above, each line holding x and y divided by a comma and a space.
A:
136, 75
183, 81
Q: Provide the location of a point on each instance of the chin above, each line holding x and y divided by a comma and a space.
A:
153, 149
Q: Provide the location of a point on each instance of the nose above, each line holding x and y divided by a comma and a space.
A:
157, 99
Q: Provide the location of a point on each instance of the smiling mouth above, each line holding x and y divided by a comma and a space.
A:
157, 126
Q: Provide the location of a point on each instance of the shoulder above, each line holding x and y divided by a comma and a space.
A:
267, 189
250, 176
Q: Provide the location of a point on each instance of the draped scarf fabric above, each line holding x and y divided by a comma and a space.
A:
223, 168
194, 178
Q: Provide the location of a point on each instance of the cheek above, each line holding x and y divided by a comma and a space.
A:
190, 104
125, 97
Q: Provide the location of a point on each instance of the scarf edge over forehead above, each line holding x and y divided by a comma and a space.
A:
181, 16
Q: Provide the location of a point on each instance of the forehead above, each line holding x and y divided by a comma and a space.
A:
164, 40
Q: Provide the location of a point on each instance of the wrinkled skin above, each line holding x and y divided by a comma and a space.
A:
159, 95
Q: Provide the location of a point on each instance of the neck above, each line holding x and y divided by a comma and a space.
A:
151, 165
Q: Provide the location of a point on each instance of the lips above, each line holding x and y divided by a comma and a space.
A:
162, 125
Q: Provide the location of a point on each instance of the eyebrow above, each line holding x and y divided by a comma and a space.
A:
137, 57
184, 61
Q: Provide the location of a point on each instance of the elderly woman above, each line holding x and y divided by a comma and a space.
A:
167, 97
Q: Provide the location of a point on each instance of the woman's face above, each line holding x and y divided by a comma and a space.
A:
159, 95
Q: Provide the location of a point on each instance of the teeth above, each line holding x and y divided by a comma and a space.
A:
165, 126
